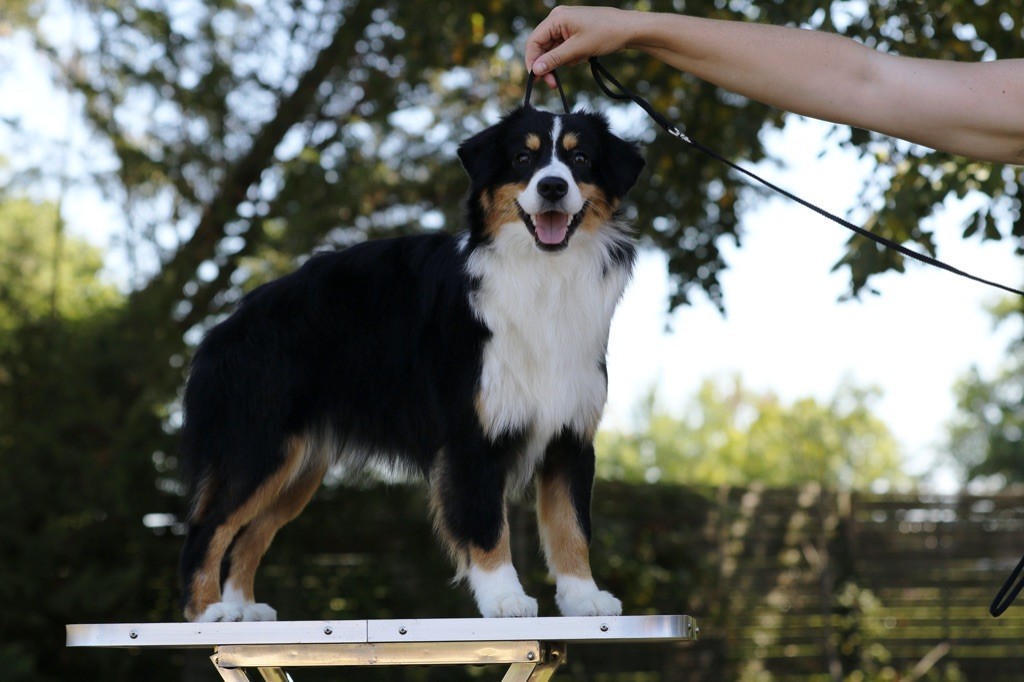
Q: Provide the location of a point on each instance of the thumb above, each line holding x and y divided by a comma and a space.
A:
556, 58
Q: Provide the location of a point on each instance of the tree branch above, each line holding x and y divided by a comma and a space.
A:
165, 287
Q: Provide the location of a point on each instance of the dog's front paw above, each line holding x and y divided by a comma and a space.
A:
576, 597
222, 612
598, 603
509, 605
258, 612
499, 594
231, 612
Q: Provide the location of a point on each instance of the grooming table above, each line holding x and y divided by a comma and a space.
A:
532, 647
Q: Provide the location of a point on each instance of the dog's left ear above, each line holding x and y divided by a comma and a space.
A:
479, 155
622, 164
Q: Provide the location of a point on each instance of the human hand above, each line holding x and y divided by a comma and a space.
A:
570, 35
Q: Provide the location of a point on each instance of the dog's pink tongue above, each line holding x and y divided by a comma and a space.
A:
552, 227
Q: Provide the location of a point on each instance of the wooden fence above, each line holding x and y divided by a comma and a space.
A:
815, 585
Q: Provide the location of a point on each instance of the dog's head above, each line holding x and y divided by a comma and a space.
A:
548, 174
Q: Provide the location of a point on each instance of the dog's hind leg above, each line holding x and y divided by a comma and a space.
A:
469, 508
564, 485
213, 529
201, 585
254, 539
208, 539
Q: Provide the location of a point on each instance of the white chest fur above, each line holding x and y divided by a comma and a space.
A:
549, 315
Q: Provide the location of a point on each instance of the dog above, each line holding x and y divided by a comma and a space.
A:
476, 360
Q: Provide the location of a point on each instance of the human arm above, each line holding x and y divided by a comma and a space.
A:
972, 109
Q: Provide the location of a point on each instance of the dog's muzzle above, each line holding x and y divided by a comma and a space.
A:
552, 226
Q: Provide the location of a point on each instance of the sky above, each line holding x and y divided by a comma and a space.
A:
785, 330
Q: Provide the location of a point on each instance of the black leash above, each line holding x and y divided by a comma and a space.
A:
1015, 583
601, 75
1006, 595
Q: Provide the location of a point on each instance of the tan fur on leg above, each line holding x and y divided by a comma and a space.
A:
206, 581
565, 546
458, 554
255, 539
499, 555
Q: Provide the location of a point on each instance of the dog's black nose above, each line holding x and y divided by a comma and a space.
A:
552, 188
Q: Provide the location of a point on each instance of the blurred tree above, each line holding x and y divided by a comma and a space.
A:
15, 13
232, 129
732, 436
44, 273
73, 480
986, 437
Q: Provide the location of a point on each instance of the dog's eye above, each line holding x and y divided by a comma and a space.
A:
580, 159
522, 158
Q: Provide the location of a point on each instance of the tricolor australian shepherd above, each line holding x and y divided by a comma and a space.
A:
476, 360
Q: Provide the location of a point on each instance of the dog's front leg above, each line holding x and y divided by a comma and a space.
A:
468, 501
564, 486
494, 581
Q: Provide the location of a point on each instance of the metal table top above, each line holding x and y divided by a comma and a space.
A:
178, 635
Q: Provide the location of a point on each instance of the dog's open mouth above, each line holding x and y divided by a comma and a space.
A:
552, 229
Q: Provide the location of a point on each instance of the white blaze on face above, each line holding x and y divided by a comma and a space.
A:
551, 219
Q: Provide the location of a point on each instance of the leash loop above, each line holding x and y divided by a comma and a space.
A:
601, 75
529, 91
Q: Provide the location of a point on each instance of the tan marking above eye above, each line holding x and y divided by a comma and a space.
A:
533, 141
570, 140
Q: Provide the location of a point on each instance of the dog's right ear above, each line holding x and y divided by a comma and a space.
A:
480, 155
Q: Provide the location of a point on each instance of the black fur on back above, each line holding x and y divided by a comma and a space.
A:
374, 349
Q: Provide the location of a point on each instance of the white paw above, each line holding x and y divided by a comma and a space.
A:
258, 612
597, 603
499, 593
232, 612
509, 605
580, 597
221, 612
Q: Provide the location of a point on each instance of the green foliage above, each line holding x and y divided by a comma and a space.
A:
339, 120
44, 272
732, 436
987, 435
77, 435
78, 476
15, 14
